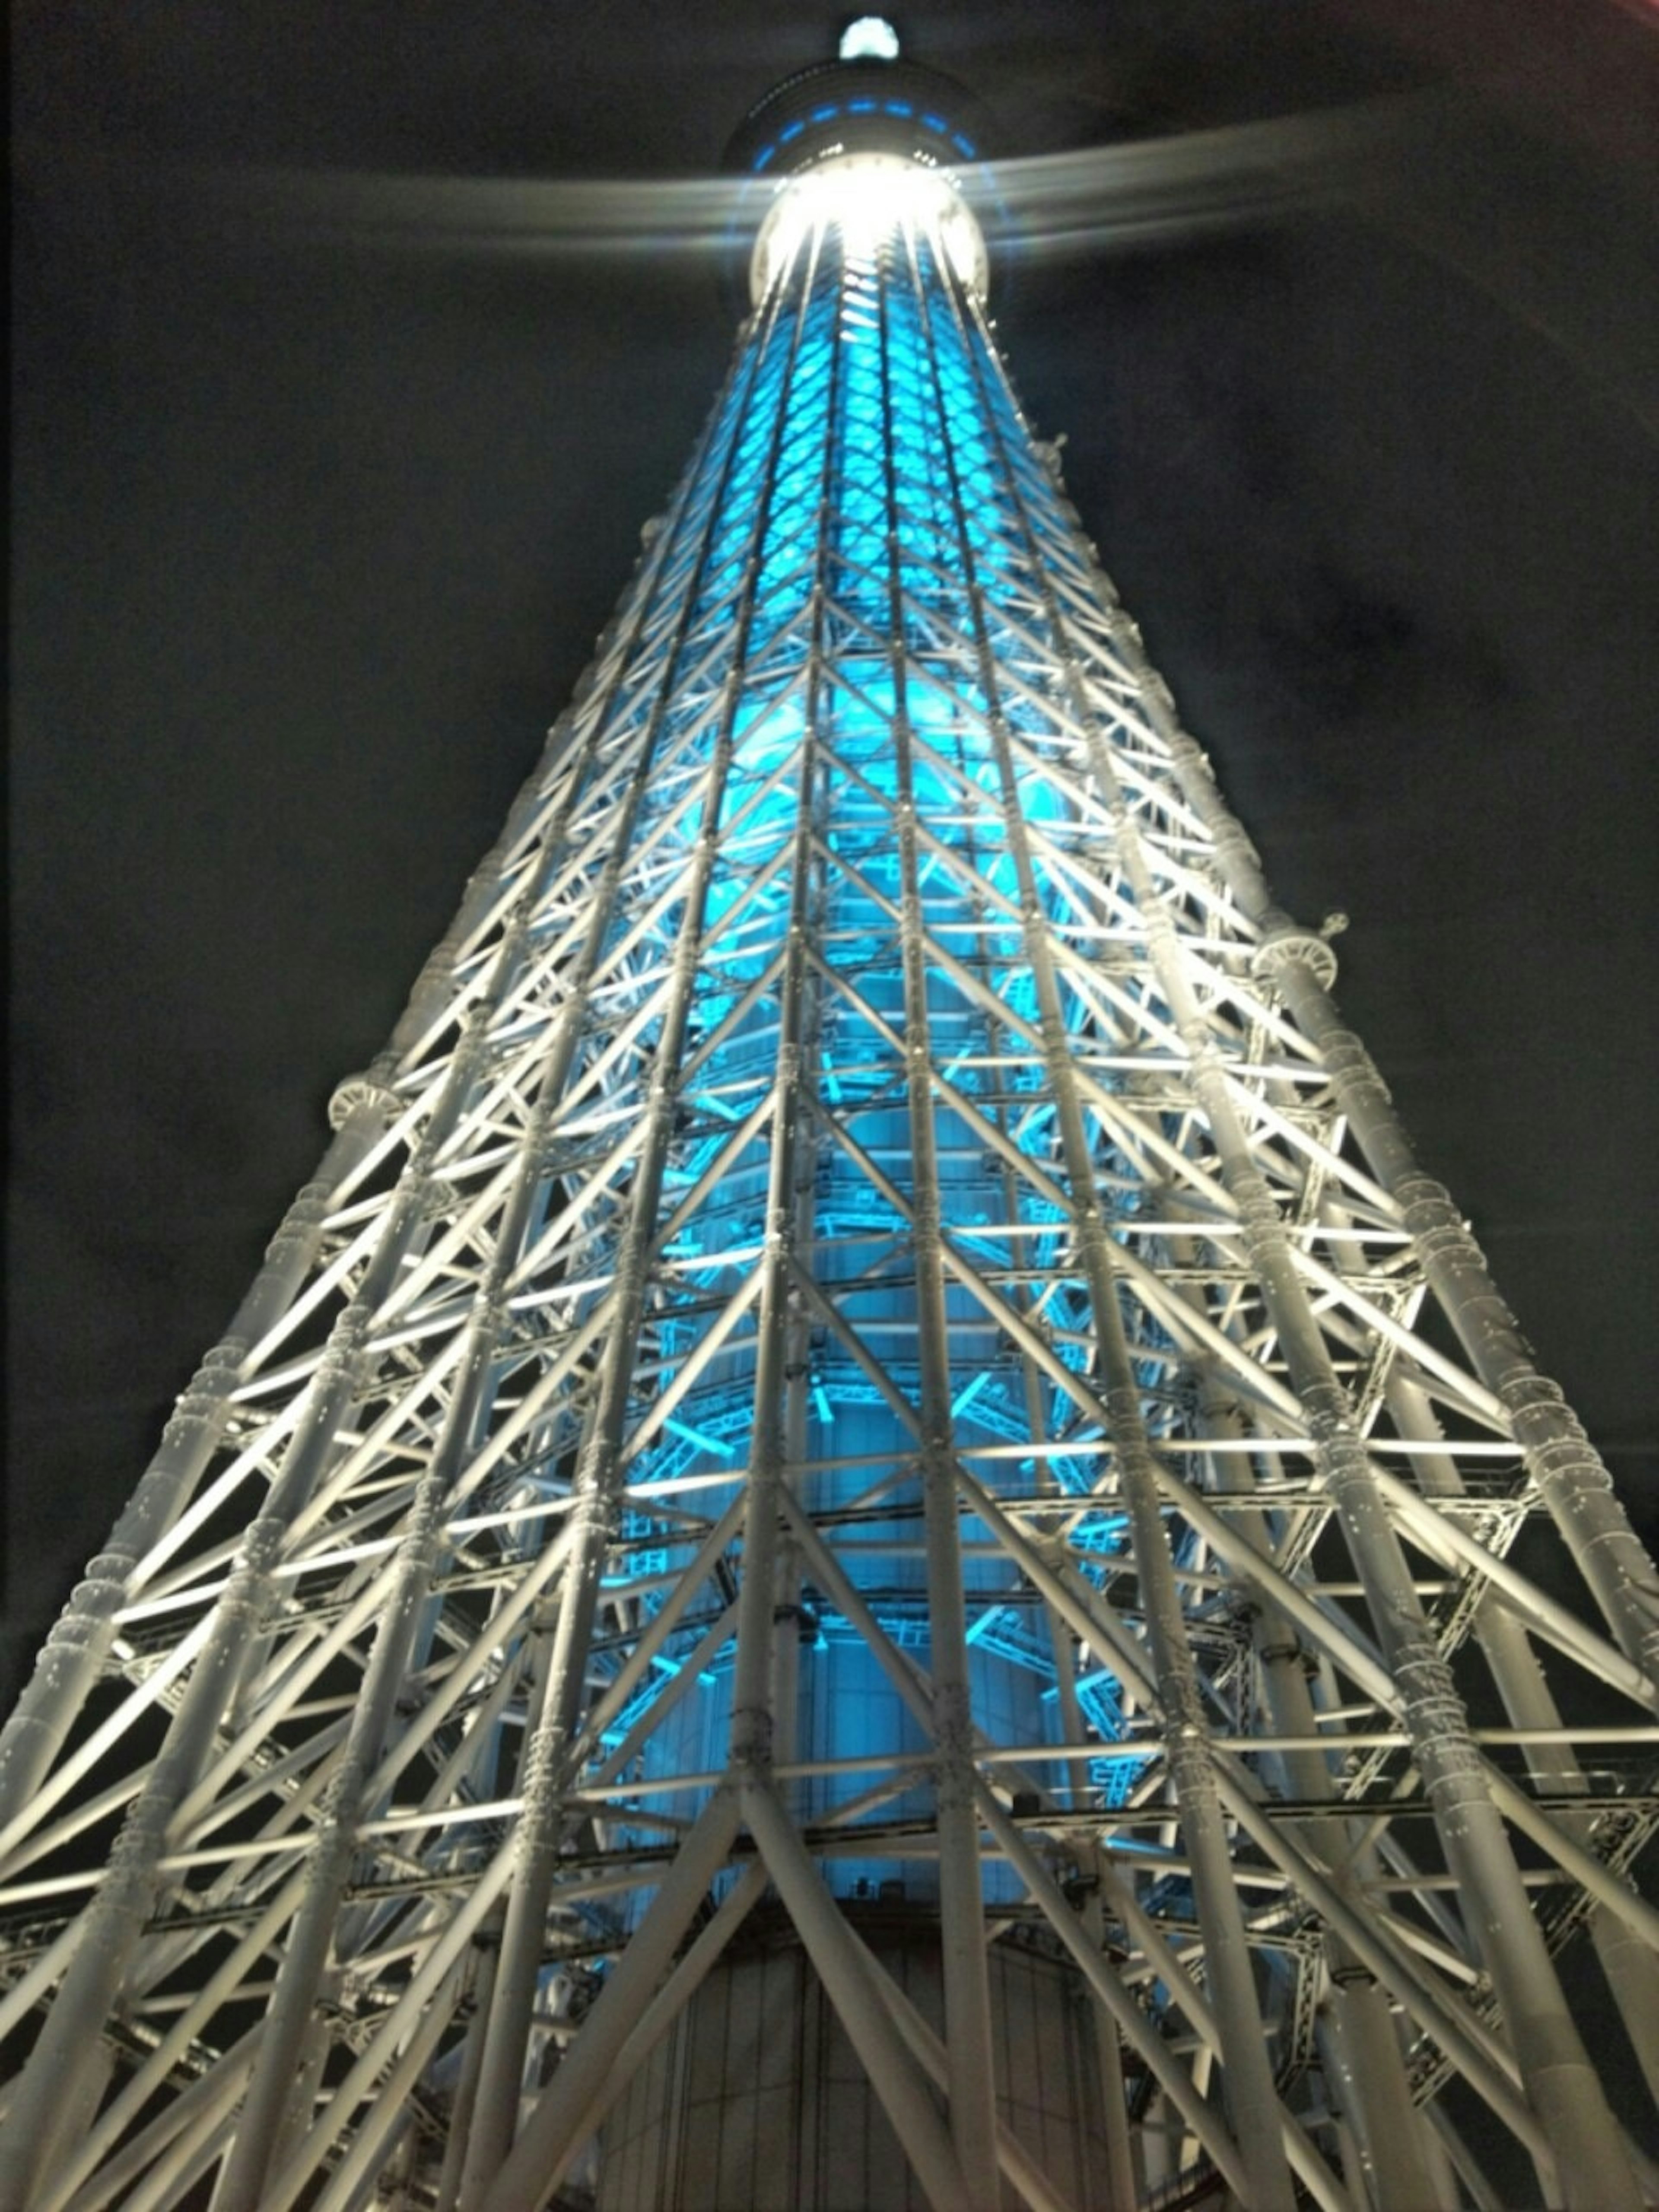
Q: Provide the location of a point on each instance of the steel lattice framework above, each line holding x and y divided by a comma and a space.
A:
872, 1335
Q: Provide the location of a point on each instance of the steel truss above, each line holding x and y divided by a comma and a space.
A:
871, 1333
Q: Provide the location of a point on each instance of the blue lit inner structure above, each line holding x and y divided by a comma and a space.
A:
867, 625
842, 1439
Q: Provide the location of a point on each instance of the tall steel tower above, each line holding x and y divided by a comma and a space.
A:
855, 1549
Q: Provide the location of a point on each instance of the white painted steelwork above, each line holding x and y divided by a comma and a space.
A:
871, 1343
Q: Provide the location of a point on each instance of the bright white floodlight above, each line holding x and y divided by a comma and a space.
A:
867, 196
872, 38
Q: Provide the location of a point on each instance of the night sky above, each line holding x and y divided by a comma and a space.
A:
312, 532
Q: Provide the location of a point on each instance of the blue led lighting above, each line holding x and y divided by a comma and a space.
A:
885, 377
863, 106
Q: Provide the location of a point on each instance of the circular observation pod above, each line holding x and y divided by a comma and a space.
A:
856, 133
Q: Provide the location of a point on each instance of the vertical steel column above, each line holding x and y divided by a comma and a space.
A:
1202, 2118
294, 1998
1572, 1479
1630, 1965
595, 1482
754, 1687
1122, 2192
1561, 2084
1013, 1167
483, 1963
50, 2103
87, 2156
681, 883
366, 1106
74, 1653
536, 2162
1252, 2101
961, 1908
800, 987
1461, 2038
1390, 2135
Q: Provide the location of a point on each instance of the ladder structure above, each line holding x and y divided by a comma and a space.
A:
855, 1549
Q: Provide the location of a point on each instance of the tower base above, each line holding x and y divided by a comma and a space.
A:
757, 2103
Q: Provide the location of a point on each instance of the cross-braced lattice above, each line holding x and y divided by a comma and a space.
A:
871, 1356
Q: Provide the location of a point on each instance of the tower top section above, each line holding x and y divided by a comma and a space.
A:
869, 39
871, 135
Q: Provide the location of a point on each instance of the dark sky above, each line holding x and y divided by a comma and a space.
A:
311, 536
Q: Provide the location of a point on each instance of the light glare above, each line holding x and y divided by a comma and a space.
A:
869, 195
870, 39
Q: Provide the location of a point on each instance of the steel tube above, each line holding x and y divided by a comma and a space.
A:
599, 1465
1572, 1478
967, 1986
1560, 2080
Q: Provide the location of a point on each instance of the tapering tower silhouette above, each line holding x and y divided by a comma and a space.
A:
855, 1549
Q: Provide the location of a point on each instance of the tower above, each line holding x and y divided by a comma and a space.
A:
868, 1451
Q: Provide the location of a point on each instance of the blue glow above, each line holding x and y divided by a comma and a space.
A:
937, 123
863, 449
